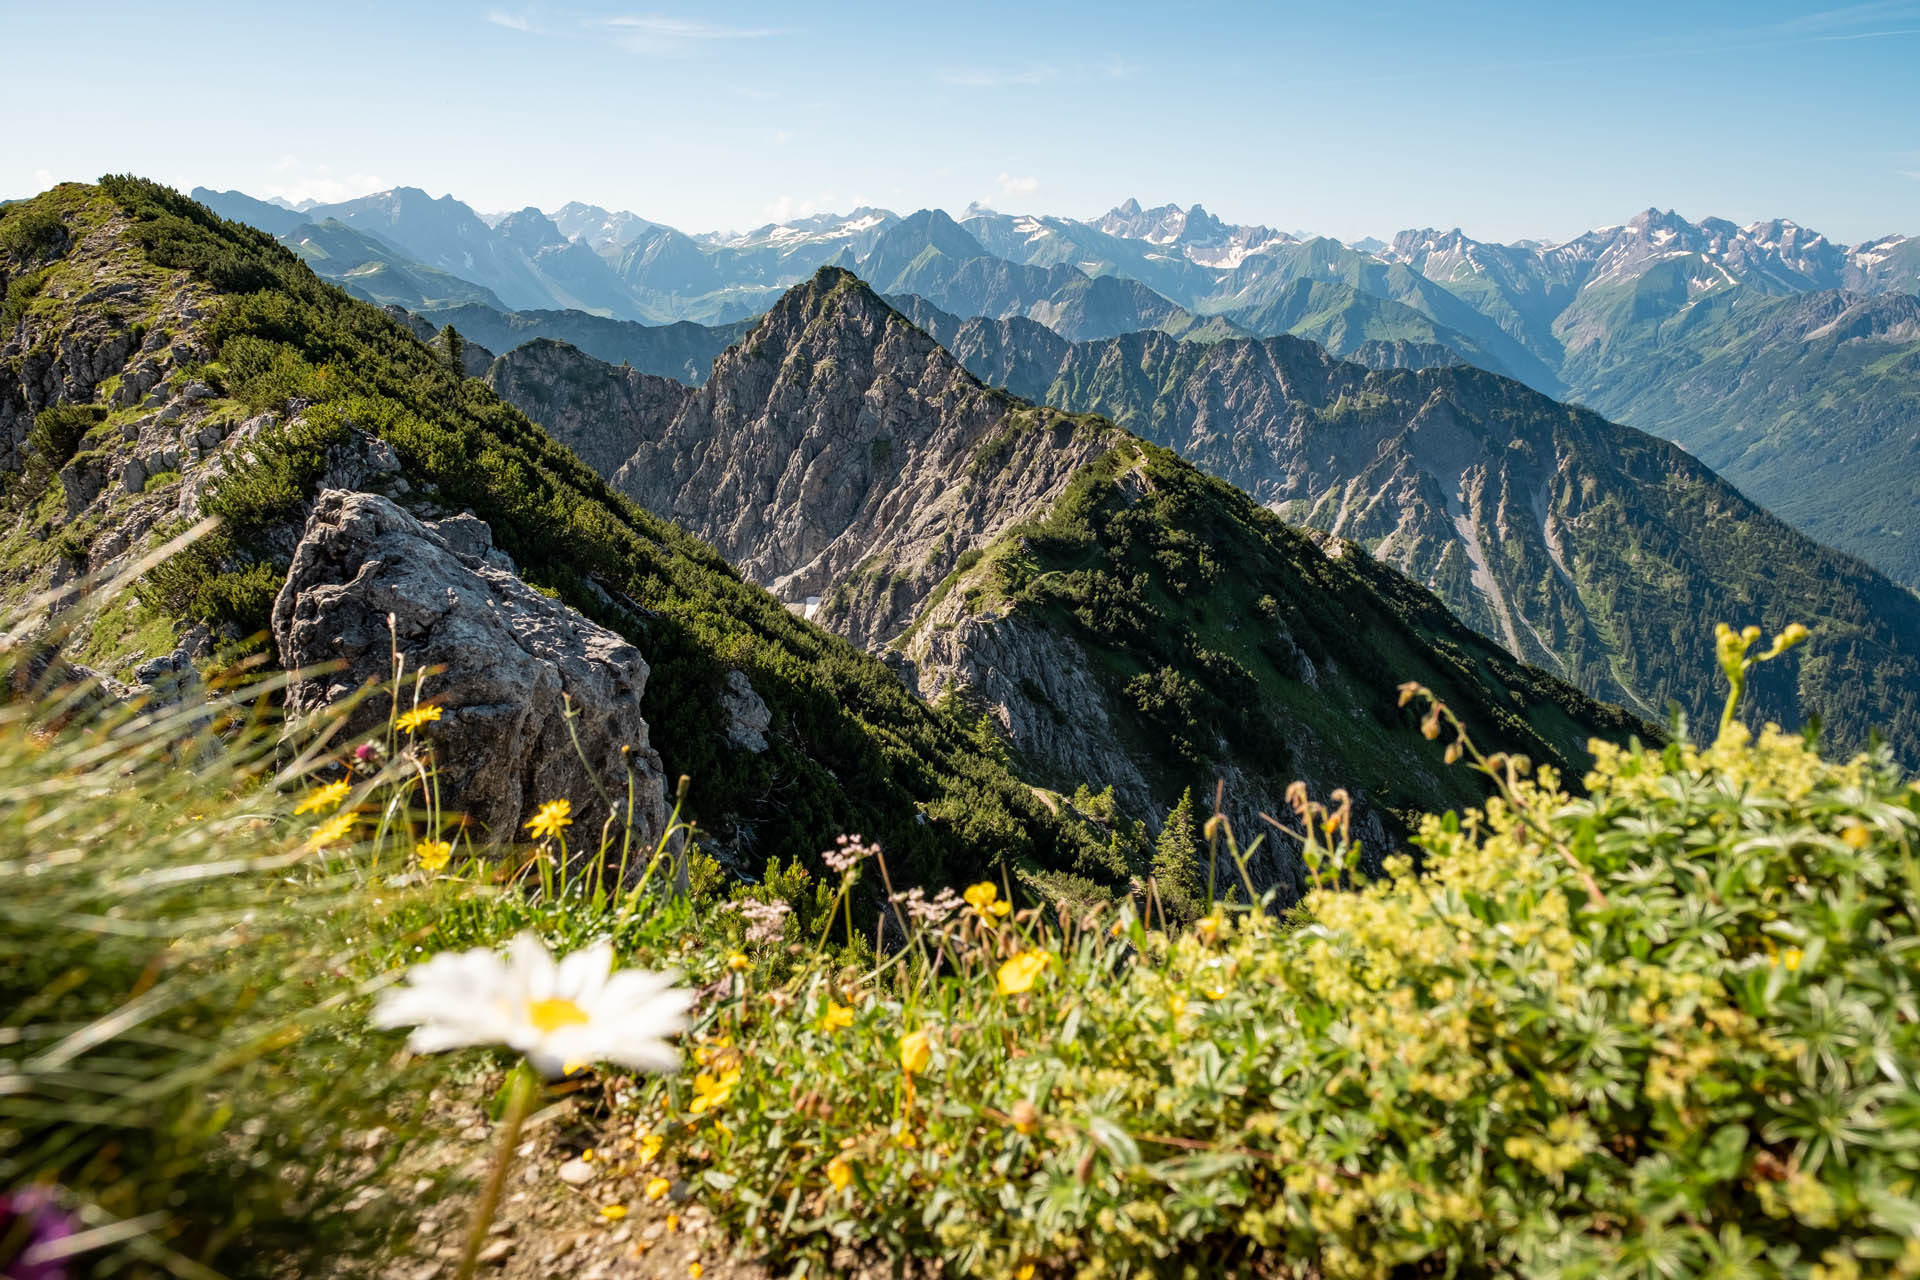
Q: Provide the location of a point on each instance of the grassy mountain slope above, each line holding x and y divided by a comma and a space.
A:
1805, 402
1592, 549
851, 749
1125, 621
371, 269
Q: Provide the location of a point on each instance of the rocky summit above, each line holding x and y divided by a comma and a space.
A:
1117, 617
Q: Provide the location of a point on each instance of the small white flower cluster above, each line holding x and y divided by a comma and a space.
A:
765, 920
931, 912
847, 853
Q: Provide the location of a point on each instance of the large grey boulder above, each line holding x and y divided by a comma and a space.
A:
513, 661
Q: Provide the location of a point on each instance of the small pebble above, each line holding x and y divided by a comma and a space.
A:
576, 1173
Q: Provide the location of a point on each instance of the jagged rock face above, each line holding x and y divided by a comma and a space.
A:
1590, 549
516, 664
592, 407
839, 452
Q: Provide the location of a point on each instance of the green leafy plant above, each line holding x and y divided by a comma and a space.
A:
1662, 1028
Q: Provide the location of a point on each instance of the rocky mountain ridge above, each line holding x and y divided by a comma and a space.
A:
842, 458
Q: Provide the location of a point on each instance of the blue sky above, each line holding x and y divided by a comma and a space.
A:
1537, 119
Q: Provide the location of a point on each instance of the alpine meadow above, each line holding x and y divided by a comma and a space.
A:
980, 726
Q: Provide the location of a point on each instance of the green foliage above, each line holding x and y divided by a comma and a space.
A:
1664, 1029
31, 233
59, 429
454, 348
1176, 865
21, 291
176, 1061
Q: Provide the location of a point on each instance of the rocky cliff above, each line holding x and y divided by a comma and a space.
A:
1589, 548
585, 404
1121, 620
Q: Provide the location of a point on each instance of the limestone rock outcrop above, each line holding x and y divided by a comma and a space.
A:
514, 666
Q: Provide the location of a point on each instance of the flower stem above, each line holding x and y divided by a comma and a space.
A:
519, 1102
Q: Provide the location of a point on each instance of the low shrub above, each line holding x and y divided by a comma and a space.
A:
1667, 1028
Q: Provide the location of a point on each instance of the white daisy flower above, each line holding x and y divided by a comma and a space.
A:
561, 1016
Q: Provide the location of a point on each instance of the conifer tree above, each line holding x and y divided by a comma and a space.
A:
1176, 864
456, 350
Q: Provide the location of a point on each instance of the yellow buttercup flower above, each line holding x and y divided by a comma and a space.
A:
332, 831
1856, 836
711, 1092
838, 1017
916, 1051
433, 855
613, 1212
839, 1173
1023, 1272
327, 797
737, 961
553, 817
411, 720
985, 899
650, 1144
658, 1188
1210, 926
1020, 973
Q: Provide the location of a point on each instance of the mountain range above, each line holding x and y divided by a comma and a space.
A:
1588, 548
1173, 630
1708, 334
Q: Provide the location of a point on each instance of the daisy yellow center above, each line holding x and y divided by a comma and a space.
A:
550, 1015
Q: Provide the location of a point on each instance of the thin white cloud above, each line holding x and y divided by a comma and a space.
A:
511, 21
1012, 186
300, 182
653, 34
42, 179
974, 79
1852, 15
787, 207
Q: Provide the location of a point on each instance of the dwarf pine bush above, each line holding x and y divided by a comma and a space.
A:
1669, 1027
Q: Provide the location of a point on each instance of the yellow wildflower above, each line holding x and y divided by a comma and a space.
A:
839, 1173
650, 1144
1856, 836
916, 1051
673, 1222
1023, 1272
737, 961
411, 720
658, 1188
1210, 926
327, 797
1025, 1117
613, 1212
711, 1092
985, 900
1020, 973
554, 817
433, 855
838, 1017
694, 1269
1791, 958
332, 831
